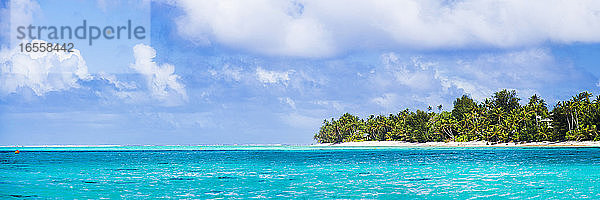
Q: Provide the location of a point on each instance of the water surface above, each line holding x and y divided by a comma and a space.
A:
214, 172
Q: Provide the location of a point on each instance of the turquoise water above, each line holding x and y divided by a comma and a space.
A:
243, 172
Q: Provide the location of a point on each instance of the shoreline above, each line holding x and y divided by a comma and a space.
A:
143, 145
461, 144
346, 144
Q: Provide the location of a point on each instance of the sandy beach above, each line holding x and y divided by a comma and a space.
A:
463, 144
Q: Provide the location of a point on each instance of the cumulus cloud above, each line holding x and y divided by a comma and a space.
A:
41, 72
530, 70
38, 72
312, 28
272, 77
416, 74
404, 80
408, 81
269, 27
162, 81
113, 80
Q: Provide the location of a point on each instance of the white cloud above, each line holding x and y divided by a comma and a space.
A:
288, 101
112, 79
228, 73
526, 70
301, 121
4, 24
173, 121
430, 81
35, 71
387, 100
272, 77
41, 72
337, 105
162, 81
415, 74
313, 28
22, 13
269, 27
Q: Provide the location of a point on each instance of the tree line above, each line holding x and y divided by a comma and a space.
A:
499, 118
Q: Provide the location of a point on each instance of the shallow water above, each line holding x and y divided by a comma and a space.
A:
299, 172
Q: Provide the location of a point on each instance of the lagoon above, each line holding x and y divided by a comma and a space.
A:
306, 172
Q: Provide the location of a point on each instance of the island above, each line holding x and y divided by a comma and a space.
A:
497, 121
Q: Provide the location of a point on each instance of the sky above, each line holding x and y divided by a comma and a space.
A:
270, 72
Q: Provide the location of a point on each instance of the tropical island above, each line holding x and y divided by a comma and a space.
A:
499, 119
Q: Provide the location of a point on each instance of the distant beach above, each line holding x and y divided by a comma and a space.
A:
343, 144
463, 144
65, 145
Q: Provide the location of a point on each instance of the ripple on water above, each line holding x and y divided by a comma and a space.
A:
125, 169
180, 179
517, 174
125, 182
418, 179
214, 192
22, 196
91, 182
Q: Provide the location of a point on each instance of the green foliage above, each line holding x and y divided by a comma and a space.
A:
445, 126
505, 100
498, 119
578, 118
462, 106
347, 128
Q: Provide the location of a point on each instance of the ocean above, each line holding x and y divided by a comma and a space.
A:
302, 172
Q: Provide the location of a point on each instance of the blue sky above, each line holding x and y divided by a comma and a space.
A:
257, 72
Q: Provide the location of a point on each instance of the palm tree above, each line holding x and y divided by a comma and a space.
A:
499, 118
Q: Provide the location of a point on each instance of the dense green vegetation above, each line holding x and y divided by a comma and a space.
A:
499, 118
